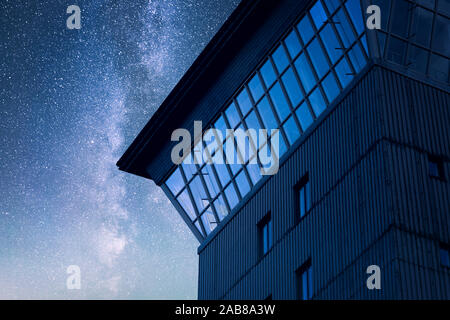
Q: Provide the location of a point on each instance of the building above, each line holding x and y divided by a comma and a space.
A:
364, 151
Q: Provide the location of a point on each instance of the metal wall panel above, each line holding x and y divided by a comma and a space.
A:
373, 202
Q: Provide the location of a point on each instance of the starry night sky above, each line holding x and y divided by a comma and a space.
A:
71, 101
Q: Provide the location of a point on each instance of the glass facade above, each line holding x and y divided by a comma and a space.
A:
313, 62
416, 34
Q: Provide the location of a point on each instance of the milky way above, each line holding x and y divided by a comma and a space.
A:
71, 101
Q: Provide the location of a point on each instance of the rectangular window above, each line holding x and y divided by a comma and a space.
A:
265, 234
436, 167
444, 253
304, 281
302, 197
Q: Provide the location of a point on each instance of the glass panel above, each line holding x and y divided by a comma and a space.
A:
331, 43
301, 204
242, 183
344, 28
318, 14
292, 87
199, 194
381, 42
364, 44
305, 29
279, 101
421, 29
444, 6
344, 72
291, 129
254, 172
317, 57
439, 67
232, 116
355, 12
222, 172
252, 122
293, 44
256, 88
231, 195
209, 221
197, 225
305, 73
317, 102
330, 87
310, 283
210, 180
400, 17
221, 126
189, 170
357, 57
268, 74
396, 50
175, 182
269, 232
418, 59
221, 208
280, 59
185, 202
304, 116
441, 35
305, 285
244, 102
267, 114
332, 5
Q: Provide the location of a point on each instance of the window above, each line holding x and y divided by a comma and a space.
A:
304, 281
302, 197
306, 70
444, 253
265, 234
436, 167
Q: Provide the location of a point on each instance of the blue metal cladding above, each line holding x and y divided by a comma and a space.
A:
373, 202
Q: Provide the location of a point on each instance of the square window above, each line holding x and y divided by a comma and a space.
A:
185, 202
318, 14
436, 167
305, 29
417, 59
317, 102
304, 116
175, 182
267, 115
265, 231
331, 43
293, 44
279, 101
318, 59
444, 7
256, 88
304, 281
402, 13
344, 28
244, 102
268, 74
332, 5
344, 72
221, 207
254, 172
280, 59
330, 87
302, 196
357, 58
231, 195
292, 87
242, 183
291, 130
355, 12
422, 25
232, 116
305, 73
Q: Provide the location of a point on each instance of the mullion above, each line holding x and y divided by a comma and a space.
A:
272, 106
191, 197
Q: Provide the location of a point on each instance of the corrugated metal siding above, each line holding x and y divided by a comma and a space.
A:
370, 189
